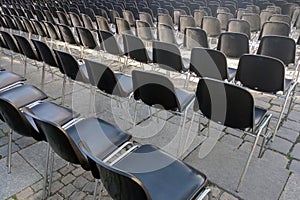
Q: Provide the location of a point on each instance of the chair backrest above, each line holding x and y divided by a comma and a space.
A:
75, 19
67, 34
102, 24
29, 27
103, 78
87, 22
165, 19
281, 47
154, 90
198, 16
210, 63
185, 21
264, 16
40, 15
239, 26
275, 28
261, 73
16, 120
144, 16
166, 33
46, 54
10, 42
52, 31
253, 20
224, 18
128, 16
113, 14
122, 26
90, 12
61, 142
40, 28
71, 67
233, 45
19, 24
280, 18
195, 37
10, 22
62, 18
109, 43
26, 47
135, 48
49, 16
126, 185
211, 25
143, 30
167, 56
225, 103
86, 38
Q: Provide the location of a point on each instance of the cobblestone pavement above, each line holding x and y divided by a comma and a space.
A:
275, 176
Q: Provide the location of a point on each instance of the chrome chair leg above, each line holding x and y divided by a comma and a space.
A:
63, 90
43, 77
180, 150
135, 114
51, 172
25, 66
95, 189
11, 61
46, 173
189, 131
9, 150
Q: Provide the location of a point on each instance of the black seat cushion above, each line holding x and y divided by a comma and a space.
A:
164, 176
125, 83
8, 78
23, 95
184, 98
101, 137
259, 116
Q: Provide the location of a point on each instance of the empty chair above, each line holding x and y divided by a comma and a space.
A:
9, 79
39, 15
102, 24
232, 106
10, 22
52, 31
253, 20
128, 16
86, 39
158, 91
62, 18
194, 37
165, 19
113, 14
212, 26
40, 29
168, 57
90, 12
177, 14
75, 19
122, 26
185, 21
198, 16
264, 16
224, 18
29, 27
233, 45
135, 49
210, 63
67, 35
280, 18
166, 33
239, 26
87, 22
275, 28
20, 25
49, 16
131, 184
252, 72
144, 16
144, 30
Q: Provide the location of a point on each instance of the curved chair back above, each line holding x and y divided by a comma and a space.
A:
264, 16
195, 37
261, 73
67, 34
109, 43
102, 24
122, 26
10, 42
128, 16
281, 47
154, 90
146, 17
40, 15
62, 18
143, 30
275, 28
52, 31
210, 63
75, 19
27, 48
166, 33
253, 20
224, 18
49, 16
87, 22
280, 18
165, 19
29, 27
185, 21
233, 45
239, 26
212, 26
40, 28
135, 48
198, 16
225, 103
113, 14
86, 38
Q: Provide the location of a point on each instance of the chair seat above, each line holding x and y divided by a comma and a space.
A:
125, 83
231, 73
184, 98
8, 78
259, 116
164, 176
101, 137
23, 95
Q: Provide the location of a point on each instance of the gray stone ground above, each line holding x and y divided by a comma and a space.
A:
275, 176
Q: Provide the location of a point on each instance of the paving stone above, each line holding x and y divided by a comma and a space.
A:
36, 196
227, 196
215, 191
89, 187
67, 191
25, 141
292, 189
38, 185
78, 195
68, 179
3, 141
56, 186
231, 140
294, 116
67, 169
88, 175
24, 194
80, 182
281, 145
55, 197
3, 149
291, 125
295, 167
288, 134
78, 171
296, 151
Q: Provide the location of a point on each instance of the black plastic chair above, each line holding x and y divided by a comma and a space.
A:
144, 31
144, 16
275, 28
102, 24
87, 22
210, 63
198, 16
253, 20
236, 109
67, 36
62, 18
280, 18
39, 15
128, 16
252, 72
194, 37
40, 29
122, 26
100, 136
165, 33
264, 17
75, 19
184, 22
224, 18
177, 14
52, 31
239, 26
49, 16
233, 45
212, 26
165, 19
19, 23
86, 39
158, 91
136, 50
131, 184
10, 22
